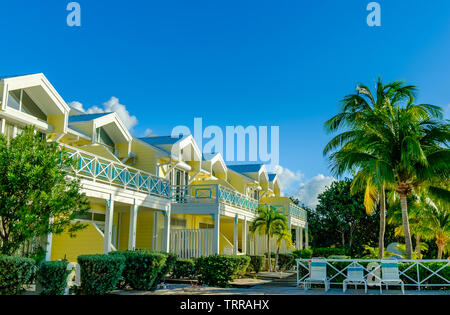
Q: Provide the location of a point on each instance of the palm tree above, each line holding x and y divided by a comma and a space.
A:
282, 235
391, 143
416, 206
355, 108
269, 220
436, 224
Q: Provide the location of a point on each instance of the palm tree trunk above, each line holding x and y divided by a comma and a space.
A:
276, 259
408, 242
440, 250
269, 254
418, 250
382, 224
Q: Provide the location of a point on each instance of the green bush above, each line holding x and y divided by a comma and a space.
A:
286, 261
266, 266
241, 265
184, 268
100, 274
141, 267
52, 276
328, 251
303, 253
339, 257
257, 262
167, 268
14, 273
219, 270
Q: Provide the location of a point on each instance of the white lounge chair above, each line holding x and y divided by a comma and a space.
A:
355, 275
317, 274
390, 275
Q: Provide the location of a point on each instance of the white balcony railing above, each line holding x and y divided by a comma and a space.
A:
89, 166
213, 194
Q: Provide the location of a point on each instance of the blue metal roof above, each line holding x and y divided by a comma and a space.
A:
161, 140
272, 176
208, 156
246, 168
86, 117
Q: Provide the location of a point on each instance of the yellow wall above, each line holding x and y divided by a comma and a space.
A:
87, 241
144, 230
146, 157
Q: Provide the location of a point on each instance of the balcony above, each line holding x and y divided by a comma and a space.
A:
89, 166
204, 194
298, 212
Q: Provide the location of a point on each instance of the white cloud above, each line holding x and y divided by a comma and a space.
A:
307, 192
112, 105
287, 178
147, 133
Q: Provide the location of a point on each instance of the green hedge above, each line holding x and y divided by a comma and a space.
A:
100, 274
184, 268
52, 276
257, 262
167, 268
286, 261
241, 265
219, 270
14, 273
141, 267
303, 253
328, 251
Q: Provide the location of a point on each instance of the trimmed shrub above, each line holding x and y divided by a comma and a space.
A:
266, 266
167, 268
100, 274
52, 276
216, 270
257, 262
141, 267
303, 253
14, 273
328, 251
286, 261
338, 257
183, 268
241, 265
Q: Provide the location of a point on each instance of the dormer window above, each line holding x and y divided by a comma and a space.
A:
103, 138
20, 100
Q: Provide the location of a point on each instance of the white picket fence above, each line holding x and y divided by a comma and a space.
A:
192, 243
257, 245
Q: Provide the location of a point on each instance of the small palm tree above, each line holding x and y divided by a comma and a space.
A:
282, 235
269, 220
436, 224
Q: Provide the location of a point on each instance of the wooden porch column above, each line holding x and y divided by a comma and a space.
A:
133, 221
297, 237
155, 231
306, 236
235, 235
108, 225
244, 236
300, 237
166, 245
216, 242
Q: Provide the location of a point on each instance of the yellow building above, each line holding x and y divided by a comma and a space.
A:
159, 193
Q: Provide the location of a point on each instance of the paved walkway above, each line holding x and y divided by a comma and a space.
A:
284, 286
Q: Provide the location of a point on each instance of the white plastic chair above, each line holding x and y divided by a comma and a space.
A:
390, 275
355, 276
317, 274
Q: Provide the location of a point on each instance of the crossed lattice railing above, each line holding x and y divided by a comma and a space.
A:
213, 194
98, 169
421, 274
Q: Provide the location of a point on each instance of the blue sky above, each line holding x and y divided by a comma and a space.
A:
284, 63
